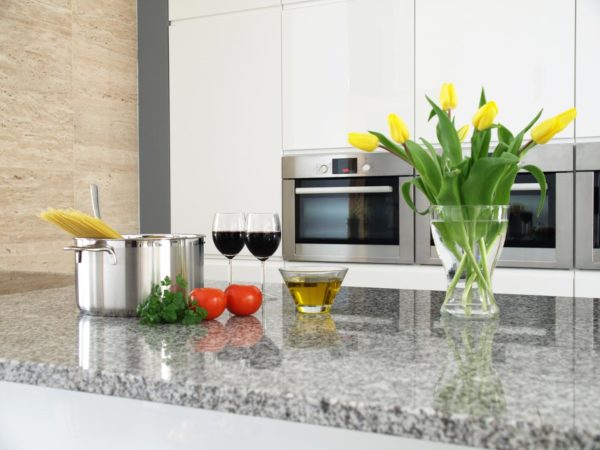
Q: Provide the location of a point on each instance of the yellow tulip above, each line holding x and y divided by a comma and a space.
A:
462, 132
448, 99
398, 129
363, 141
547, 129
484, 117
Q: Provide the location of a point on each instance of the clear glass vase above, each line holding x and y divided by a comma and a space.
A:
468, 240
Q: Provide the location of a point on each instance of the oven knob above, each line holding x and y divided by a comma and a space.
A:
324, 168
366, 167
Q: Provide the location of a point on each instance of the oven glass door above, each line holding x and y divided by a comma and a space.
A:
526, 229
347, 211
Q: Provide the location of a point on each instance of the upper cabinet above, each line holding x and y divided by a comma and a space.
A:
346, 65
523, 53
225, 103
588, 69
186, 9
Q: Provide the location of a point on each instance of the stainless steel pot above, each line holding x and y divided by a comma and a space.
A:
113, 276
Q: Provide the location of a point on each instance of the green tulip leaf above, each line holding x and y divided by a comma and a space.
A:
447, 135
480, 143
482, 100
503, 190
484, 178
541, 179
450, 190
427, 168
500, 149
406, 189
431, 115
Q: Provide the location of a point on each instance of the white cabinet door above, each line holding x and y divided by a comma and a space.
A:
588, 68
522, 52
225, 87
186, 9
346, 66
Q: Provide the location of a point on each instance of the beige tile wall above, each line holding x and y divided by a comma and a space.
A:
68, 117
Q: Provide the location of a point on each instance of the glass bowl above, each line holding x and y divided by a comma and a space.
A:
313, 288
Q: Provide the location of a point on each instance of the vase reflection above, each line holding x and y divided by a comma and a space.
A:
468, 383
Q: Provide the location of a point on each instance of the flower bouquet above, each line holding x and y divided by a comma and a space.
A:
468, 189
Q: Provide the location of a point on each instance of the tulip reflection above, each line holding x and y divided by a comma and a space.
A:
468, 383
313, 331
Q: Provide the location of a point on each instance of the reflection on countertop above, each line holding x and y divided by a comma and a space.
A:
382, 361
18, 282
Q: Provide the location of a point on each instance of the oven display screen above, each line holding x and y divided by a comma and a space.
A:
344, 165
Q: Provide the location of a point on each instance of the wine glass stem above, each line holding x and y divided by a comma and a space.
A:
262, 277
230, 270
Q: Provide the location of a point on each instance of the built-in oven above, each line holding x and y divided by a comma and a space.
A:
532, 240
346, 208
587, 206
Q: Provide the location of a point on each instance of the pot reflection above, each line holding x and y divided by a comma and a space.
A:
312, 331
468, 383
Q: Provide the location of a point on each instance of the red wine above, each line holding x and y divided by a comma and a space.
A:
262, 245
229, 243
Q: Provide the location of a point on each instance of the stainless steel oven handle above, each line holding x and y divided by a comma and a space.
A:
526, 187
345, 190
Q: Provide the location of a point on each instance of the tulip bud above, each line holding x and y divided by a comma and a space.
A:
484, 117
462, 132
398, 129
448, 99
364, 141
548, 128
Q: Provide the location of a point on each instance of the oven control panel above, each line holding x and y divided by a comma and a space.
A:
343, 165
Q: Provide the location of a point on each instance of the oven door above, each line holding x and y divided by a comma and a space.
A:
544, 241
587, 206
354, 219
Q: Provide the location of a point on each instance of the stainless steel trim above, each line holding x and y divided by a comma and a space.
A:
320, 165
526, 187
402, 253
78, 250
552, 158
345, 190
587, 156
560, 257
586, 257
95, 201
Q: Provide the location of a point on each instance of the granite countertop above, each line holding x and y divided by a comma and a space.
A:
382, 362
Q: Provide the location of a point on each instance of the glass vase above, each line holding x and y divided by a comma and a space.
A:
468, 240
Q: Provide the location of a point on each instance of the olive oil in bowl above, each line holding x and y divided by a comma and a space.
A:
313, 288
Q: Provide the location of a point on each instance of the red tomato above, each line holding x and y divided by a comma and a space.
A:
212, 300
243, 300
215, 339
243, 331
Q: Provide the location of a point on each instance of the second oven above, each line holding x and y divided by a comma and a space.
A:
535, 241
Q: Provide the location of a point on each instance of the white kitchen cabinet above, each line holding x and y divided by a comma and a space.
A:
523, 53
186, 9
346, 66
588, 69
225, 89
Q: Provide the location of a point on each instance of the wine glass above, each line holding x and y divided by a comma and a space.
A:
262, 237
228, 236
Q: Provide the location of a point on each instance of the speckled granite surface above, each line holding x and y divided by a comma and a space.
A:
383, 362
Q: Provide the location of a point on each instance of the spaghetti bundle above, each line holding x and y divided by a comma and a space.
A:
79, 224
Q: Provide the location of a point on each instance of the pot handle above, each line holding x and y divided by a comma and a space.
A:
78, 251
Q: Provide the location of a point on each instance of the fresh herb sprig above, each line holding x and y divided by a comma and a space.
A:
168, 303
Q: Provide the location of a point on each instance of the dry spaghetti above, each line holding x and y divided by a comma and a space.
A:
79, 224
